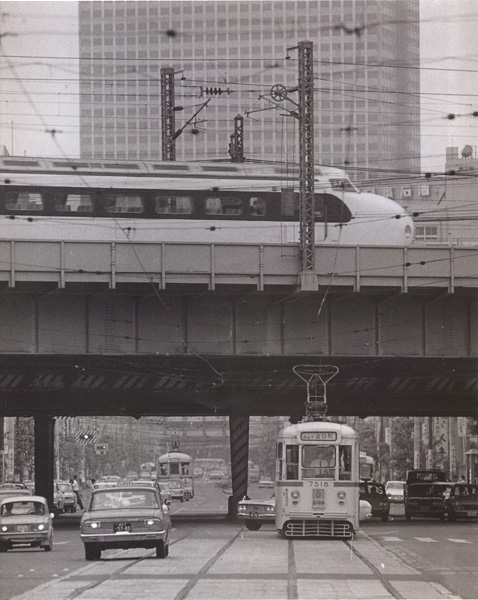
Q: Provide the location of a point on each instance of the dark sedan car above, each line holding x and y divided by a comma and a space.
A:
462, 502
125, 517
427, 500
374, 493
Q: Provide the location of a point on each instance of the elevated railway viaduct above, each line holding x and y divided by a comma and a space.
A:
97, 328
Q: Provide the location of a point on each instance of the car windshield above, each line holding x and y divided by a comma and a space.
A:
111, 500
426, 490
65, 487
10, 509
466, 490
374, 489
394, 485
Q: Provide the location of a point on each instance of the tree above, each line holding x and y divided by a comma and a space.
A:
24, 447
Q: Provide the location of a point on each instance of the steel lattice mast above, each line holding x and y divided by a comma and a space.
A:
306, 152
168, 145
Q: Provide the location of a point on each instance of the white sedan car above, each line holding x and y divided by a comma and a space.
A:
25, 519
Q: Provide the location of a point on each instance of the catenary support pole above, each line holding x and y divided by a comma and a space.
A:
44, 457
239, 441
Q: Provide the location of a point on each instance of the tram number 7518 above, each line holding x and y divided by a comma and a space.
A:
318, 484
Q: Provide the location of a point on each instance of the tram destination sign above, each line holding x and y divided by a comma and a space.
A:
318, 436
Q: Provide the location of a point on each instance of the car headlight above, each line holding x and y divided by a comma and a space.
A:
241, 509
41, 527
152, 522
92, 524
270, 509
295, 494
341, 495
4, 528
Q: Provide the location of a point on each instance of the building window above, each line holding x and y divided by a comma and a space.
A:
426, 233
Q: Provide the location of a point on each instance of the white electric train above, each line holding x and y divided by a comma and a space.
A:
101, 200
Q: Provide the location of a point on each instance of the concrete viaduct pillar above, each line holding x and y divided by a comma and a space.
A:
44, 457
239, 440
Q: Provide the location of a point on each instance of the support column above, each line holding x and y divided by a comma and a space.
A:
239, 440
44, 457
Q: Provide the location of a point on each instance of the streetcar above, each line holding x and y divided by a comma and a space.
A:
177, 466
317, 480
367, 466
161, 202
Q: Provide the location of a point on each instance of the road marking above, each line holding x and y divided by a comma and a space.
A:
392, 539
458, 541
428, 540
61, 543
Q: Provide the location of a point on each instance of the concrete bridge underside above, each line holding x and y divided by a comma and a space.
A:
189, 351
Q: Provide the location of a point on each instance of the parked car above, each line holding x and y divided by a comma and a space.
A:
101, 485
25, 519
423, 476
165, 491
30, 485
69, 496
256, 513
427, 500
7, 492
176, 489
266, 482
143, 483
462, 503
125, 517
395, 491
58, 506
15, 485
374, 493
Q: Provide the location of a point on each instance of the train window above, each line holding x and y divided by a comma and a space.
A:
123, 204
289, 202
174, 468
292, 462
26, 201
257, 206
226, 205
343, 184
331, 209
318, 461
74, 203
173, 205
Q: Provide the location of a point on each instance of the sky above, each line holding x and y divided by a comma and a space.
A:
39, 78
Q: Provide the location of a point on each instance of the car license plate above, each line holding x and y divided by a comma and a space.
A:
253, 514
122, 527
472, 513
23, 528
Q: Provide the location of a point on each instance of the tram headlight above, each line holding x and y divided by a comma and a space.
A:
341, 495
295, 495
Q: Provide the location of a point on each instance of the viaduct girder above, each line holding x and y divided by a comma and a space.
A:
132, 385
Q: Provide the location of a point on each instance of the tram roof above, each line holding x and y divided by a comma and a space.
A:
174, 456
293, 430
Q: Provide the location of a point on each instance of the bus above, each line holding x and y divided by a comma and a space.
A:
317, 480
179, 466
367, 466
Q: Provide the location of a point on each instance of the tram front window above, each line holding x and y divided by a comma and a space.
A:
318, 462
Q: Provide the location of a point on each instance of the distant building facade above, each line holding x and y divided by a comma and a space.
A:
444, 206
366, 111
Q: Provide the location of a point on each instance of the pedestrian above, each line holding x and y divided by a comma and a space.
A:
76, 489
462, 479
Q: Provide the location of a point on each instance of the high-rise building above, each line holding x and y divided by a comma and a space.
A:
366, 98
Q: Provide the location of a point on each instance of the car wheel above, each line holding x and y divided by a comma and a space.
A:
162, 549
73, 509
49, 546
253, 525
3, 546
92, 552
408, 516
